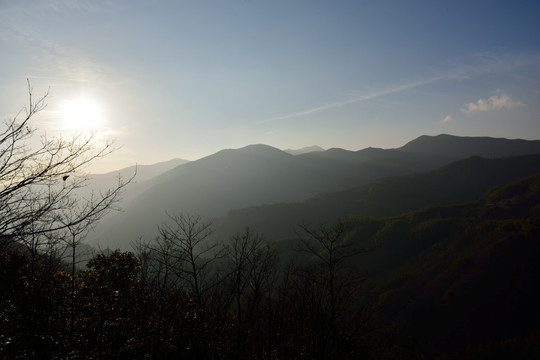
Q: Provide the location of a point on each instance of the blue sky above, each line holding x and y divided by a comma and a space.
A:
189, 78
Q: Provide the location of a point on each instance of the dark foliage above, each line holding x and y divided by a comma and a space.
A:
455, 282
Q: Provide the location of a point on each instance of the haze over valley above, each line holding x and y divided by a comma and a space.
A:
314, 186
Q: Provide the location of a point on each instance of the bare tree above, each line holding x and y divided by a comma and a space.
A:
327, 278
143, 250
263, 269
40, 179
163, 280
253, 265
75, 232
35, 193
189, 235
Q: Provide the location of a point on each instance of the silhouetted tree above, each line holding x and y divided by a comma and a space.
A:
39, 182
253, 266
188, 235
34, 191
328, 284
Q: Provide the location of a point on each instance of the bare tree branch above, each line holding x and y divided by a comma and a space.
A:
35, 197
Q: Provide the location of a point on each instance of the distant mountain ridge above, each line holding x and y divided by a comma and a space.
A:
259, 174
304, 150
140, 173
253, 175
462, 146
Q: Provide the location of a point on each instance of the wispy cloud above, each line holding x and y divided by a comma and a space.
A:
447, 118
21, 24
84, 6
63, 64
478, 63
364, 97
495, 102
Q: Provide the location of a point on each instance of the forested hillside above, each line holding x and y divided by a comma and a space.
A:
461, 181
448, 282
460, 281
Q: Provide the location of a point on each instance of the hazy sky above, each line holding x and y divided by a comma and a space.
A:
188, 78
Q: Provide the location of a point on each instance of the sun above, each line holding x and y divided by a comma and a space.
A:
83, 113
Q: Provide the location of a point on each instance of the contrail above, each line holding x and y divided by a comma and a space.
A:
486, 63
357, 99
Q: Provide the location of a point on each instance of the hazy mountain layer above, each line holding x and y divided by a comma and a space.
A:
259, 174
462, 146
140, 173
304, 150
254, 175
458, 182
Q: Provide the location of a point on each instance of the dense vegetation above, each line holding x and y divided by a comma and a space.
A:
157, 305
462, 281
443, 282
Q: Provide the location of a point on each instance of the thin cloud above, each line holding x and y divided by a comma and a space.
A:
495, 102
67, 64
448, 118
83, 6
478, 63
358, 99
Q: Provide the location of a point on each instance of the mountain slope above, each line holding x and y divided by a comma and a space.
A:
143, 173
256, 174
458, 182
260, 174
459, 281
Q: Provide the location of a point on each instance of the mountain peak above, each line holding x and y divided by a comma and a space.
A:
260, 147
304, 150
255, 150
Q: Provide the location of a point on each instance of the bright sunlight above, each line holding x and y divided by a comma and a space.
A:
83, 114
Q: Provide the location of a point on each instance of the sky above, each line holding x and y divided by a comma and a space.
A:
185, 79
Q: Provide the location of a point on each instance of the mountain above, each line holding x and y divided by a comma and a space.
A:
459, 146
259, 174
144, 172
253, 175
457, 282
458, 182
141, 174
304, 150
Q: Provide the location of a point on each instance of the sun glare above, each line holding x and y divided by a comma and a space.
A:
83, 114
